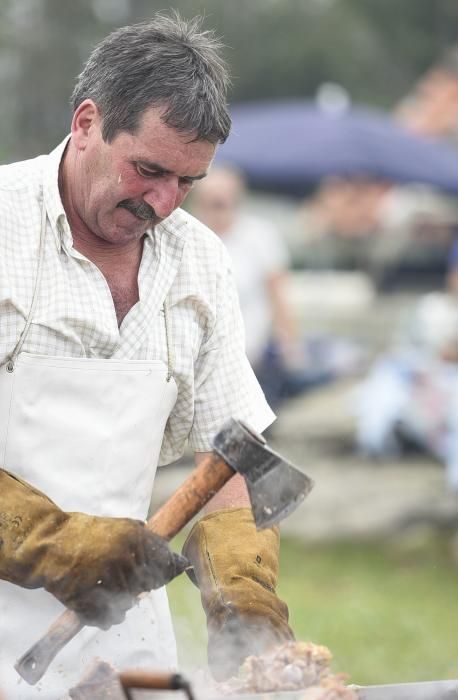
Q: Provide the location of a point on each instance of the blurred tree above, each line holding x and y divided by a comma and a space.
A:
375, 50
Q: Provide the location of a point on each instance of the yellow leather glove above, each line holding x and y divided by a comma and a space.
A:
236, 569
95, 566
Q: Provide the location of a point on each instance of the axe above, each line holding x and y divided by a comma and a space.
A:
104, 683
275, 488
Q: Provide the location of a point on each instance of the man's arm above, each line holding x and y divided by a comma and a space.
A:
234, 494
95, 566
236, 568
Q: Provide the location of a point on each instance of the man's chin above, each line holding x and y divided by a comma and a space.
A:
122, 235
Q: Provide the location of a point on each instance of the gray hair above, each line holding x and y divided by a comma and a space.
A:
166, 62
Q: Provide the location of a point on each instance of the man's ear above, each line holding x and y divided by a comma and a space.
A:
85, 117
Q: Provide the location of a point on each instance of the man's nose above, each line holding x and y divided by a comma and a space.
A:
162, 196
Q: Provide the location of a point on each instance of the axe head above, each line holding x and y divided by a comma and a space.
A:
275, 487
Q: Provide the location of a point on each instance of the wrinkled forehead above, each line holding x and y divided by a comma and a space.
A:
158, 146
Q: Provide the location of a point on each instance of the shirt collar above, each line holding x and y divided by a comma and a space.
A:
174, 226
51, 195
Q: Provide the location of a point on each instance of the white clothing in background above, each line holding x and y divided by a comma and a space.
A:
257, 252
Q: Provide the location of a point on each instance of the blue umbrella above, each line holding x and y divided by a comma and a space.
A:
290, 145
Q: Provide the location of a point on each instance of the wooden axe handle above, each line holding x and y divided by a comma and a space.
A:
147, 680
204, 482
201, 485
154, 681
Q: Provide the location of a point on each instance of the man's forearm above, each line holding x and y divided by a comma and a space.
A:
234, 494
236, 569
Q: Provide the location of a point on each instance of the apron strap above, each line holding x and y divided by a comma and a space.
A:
13, 357
168, 340
23, 336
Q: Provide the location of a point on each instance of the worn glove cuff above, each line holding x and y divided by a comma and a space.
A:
236, 569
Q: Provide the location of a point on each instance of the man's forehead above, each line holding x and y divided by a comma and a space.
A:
156, 118
168, 150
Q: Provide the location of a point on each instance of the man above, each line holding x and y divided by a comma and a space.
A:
121, 341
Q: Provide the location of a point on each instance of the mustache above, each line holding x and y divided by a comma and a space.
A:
141, 210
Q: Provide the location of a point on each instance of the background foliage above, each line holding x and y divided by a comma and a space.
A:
375, 50
386, 609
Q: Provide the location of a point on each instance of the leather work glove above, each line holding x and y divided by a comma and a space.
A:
95, 566
236, 568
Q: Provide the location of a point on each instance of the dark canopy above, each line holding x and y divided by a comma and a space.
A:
288, 146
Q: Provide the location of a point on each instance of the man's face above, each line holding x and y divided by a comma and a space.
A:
122, 188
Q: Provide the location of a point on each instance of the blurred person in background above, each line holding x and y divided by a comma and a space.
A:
339, 223
121, 342
260, 259
416, 223
397, 234
411, 394
431, 107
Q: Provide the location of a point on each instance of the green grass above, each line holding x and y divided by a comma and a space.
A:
388, 611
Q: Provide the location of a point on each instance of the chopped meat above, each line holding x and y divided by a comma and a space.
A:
291, 666
330, 689
101, 682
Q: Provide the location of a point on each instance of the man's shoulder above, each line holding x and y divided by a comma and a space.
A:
204, 261
20, 194
198, 237
20, 188
184, 223
22, 175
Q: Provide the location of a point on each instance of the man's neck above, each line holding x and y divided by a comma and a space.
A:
103, 253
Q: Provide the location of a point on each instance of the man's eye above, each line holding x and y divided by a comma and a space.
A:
144, 172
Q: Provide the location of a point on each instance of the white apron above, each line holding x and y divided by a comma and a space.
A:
88, 433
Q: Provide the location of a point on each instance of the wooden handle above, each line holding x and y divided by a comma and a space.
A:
147, 680
33, 664
206, 480
154, 681
202, 484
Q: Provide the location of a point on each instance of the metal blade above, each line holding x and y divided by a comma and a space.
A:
426, 690
276, 488
277, 493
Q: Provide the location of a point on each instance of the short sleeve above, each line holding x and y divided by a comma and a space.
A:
225, 384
